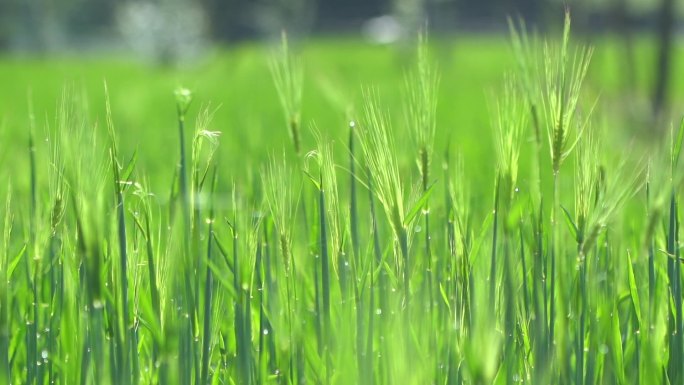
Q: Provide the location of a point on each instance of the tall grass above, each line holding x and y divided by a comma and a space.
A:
350, 264
422, 87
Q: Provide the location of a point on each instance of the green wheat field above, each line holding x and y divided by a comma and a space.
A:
482, 210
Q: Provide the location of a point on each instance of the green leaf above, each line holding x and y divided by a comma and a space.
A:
420, 203
138, 224
633, 291
149, 319
444, 296
128, 170
223, 251
570, 222
616, 342
312, 179
220, 276
394, 280
481, 237
15, 262
515, 213
677, 145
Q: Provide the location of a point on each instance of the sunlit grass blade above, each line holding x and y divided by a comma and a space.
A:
5, 367
128, 350
208, 293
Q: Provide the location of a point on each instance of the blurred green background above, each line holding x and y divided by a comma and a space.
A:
220, 50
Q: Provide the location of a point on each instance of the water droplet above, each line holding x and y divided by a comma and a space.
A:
603, 349
378, 311
44, 354
265, 332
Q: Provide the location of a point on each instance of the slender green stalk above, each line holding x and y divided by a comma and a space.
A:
128, 349
376, 262
579, 371
353, 205
152, 276
674, 371
364, 349
493, 279
5, 320
189, 354
651, 263
318, 317
208, 292
268, 300
555, 244
325, 277
525, 285
238, 306
32, 327
422, 88
263, 322
183, 100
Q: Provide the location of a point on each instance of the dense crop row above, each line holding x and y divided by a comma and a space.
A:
342, 265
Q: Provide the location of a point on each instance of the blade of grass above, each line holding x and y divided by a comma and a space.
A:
5, 368
208, 292
128, 350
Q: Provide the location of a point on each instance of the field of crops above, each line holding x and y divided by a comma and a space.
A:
483, 210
